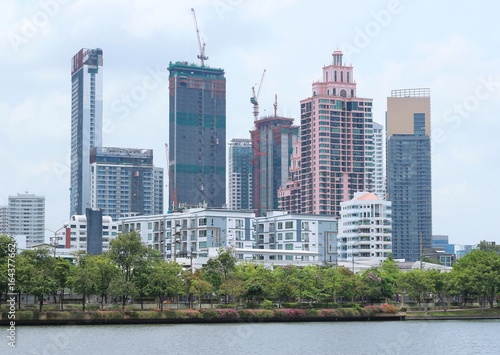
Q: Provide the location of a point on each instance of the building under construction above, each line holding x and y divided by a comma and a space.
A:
272, 140
197, 135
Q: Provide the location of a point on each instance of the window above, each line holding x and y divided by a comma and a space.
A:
202, 222
289, 246
289, 236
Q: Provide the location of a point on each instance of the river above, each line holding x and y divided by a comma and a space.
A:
407, 337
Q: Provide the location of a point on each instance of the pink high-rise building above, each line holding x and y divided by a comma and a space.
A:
336, 135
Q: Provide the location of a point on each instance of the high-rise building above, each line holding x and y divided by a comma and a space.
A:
123, 181
273, 139
86, 123
197, 135
289, 195
336, 137
159, 183
364, 228
409, 184
240, 174
27, 217
378, 161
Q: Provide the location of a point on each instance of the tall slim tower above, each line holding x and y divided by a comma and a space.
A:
197, 135
86, 123
240, 174
378, 161
336, 141
409, 184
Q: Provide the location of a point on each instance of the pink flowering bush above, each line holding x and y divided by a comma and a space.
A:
286, 313
388, 308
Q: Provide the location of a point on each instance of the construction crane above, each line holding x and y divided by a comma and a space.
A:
255, 97
202, 57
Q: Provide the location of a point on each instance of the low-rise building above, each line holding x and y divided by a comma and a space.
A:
365, 228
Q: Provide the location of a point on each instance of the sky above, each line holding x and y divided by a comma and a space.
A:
448, 46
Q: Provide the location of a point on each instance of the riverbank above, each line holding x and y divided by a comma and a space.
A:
187, 316
455, 314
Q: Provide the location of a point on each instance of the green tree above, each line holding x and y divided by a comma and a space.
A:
218, 269
142, 271
281, 286
417, 284
6, 244
165, 280
128, 253
256, 280
35, 274
481, 270
442, 285
83, 278
62, 272
105, 272
200, 287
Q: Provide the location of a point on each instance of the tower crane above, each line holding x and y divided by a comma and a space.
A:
255, 97
202, 57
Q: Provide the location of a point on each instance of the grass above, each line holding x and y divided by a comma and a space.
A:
473, 312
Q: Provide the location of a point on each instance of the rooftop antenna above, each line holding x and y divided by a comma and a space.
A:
275, 104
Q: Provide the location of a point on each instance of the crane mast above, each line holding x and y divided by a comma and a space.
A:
255, 97
201, 44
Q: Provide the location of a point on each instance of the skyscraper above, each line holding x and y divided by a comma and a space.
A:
378, 161
409, 171
86, 123
336, 141
122, 180
197, 135
272, 141
240, 174
27, 217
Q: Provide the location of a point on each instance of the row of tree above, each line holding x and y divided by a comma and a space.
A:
131, 270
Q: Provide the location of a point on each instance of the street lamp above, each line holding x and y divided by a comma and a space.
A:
352, 253
54, 239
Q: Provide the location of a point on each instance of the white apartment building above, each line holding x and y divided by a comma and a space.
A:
27, 217
300, 239
365, 229
378, 161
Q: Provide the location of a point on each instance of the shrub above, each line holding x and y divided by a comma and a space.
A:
228, 305
287, 313
330, 313
388, 308
186, 314
27, 315
209, 314
403, 309
253, 305
290, 305
349, 312
227, 314
92, 307
268, 304
312, 313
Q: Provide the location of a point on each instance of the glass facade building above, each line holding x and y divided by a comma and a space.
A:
197, 135
409, 183
123, 181
240, 174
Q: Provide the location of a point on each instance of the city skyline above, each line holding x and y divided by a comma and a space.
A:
384, 40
